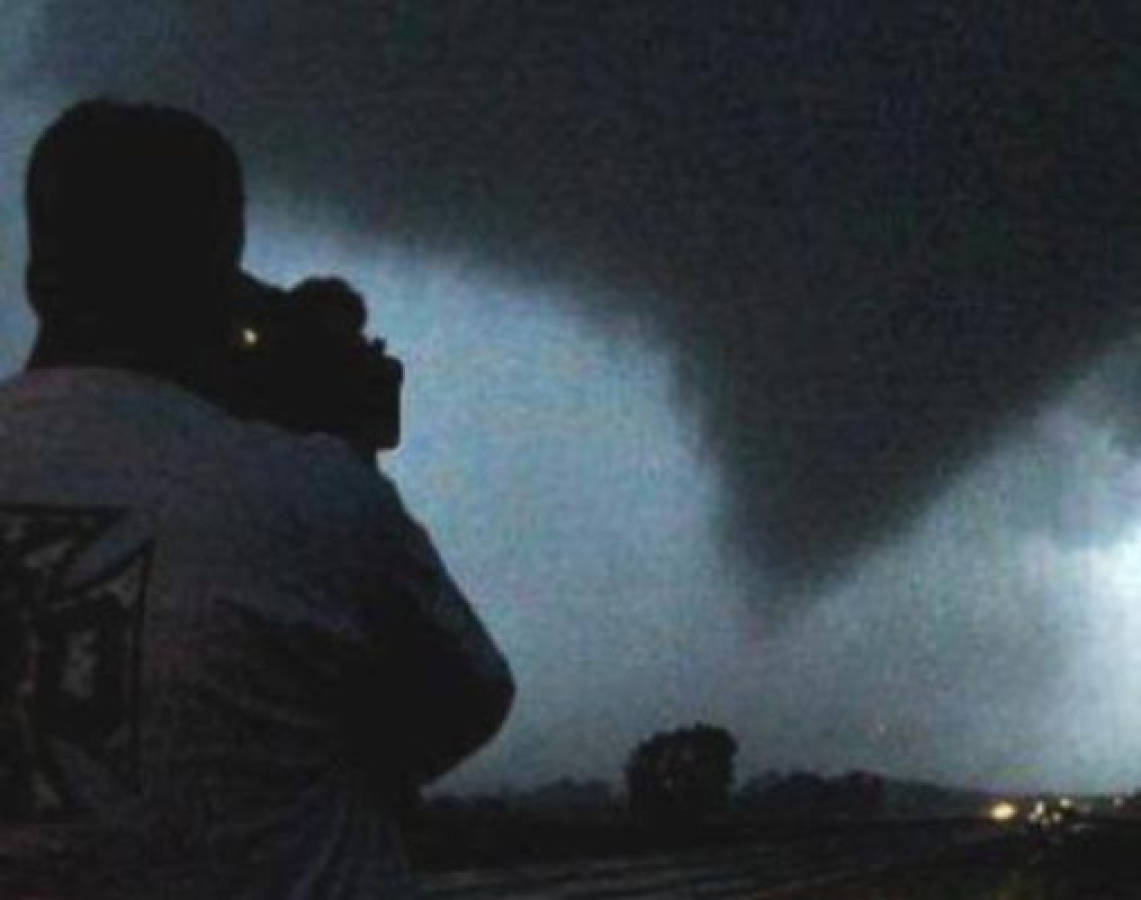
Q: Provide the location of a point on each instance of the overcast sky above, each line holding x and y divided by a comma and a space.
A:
760, 370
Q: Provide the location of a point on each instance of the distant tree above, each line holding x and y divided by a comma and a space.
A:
681, 775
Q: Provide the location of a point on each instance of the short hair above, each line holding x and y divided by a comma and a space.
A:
130, 207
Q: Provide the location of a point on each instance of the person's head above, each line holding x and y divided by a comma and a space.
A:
135, 220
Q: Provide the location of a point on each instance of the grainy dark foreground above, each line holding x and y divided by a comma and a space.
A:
855, 862
1101, 862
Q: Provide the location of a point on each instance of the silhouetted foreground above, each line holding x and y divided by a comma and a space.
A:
568, 819
1101, 862
753, 866
904, 861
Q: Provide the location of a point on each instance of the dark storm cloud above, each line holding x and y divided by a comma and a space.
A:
866, 236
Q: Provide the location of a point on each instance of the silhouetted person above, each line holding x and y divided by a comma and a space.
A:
228, 651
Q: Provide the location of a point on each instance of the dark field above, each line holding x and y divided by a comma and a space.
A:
897, 861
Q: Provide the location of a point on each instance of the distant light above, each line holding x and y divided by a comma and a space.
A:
250, 337
1003, 811
1118, 801
1066, 803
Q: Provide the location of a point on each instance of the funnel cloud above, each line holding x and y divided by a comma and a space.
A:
865, 237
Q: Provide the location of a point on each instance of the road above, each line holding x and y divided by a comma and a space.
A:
1095, 862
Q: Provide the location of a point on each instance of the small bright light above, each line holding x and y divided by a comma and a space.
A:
249, 337
1003, 811
1119, 802
1066, 803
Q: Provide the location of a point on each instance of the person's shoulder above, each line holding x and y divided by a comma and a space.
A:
281, 453
121, 419
313, 495
317, 472
112, 395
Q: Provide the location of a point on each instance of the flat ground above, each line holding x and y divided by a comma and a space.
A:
1090, 862
1098, 862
